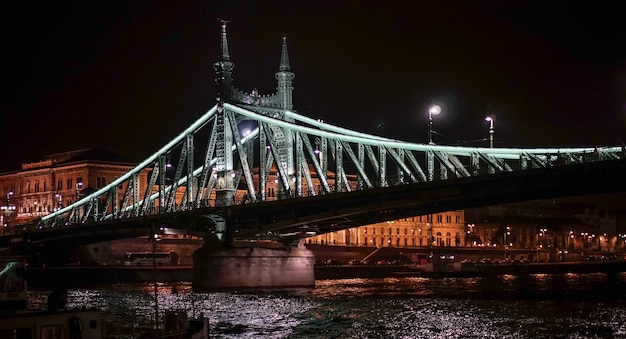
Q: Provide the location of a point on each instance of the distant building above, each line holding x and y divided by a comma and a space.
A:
58, 180
541, 225
445, 229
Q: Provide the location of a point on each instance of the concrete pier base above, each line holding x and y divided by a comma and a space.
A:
253, 265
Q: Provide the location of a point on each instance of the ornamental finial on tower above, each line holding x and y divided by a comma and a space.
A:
284, 57
285, 78
224, 55
223, 69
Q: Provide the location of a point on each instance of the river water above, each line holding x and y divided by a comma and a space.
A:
532, 306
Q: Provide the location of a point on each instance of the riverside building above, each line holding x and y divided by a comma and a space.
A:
445, 229
39, 188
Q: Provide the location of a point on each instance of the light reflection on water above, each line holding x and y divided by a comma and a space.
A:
531, 306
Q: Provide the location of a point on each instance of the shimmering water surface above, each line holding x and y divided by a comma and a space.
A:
535, 306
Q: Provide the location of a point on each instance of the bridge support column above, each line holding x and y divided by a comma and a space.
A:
225, 189
253, 265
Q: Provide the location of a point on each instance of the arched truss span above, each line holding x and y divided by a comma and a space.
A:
235, 154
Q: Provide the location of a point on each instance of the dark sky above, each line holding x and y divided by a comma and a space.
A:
130, 75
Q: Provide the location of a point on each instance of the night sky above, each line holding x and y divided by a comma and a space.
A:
130, 75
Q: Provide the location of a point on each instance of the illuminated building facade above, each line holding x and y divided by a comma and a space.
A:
58, 180
445, 229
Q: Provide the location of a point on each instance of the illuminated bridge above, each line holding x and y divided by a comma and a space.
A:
252, 168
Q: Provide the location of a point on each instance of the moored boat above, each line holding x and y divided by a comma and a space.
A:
18, 321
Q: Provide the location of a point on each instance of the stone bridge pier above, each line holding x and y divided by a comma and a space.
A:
252, 264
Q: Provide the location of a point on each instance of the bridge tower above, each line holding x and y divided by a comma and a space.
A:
224, 188
284, 76
221, 264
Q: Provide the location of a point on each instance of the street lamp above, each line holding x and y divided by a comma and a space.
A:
490, 119
507, 234
570, 240
470, 228
434, 109
59, 203
318, 150
78, 186
7, 210
431, 238
470, 235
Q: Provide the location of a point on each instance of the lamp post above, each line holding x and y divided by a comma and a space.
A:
470, 235
59, 202
154, 238
78, 186
7, 210
570, 240
317, 150
247, 145
430, 235
507, 233
434, 109
540, 240
490, 119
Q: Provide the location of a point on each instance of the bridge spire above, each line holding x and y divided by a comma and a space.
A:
284, 57
284, 76
224, 56
223, 69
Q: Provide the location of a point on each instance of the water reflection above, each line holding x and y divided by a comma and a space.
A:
531, 306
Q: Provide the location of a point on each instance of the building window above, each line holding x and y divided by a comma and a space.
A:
59, 185
69, 184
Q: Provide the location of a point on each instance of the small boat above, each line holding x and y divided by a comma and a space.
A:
17, 321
